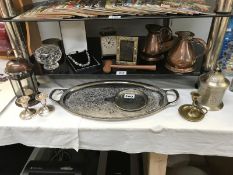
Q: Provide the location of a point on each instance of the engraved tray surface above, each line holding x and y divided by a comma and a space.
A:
97, 100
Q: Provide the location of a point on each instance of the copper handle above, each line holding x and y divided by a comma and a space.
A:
141, 67
169, 31
202, 43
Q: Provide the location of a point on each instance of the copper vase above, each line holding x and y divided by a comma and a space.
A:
182, 57
157, 42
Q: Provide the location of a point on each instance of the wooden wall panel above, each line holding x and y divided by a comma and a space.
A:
33, 39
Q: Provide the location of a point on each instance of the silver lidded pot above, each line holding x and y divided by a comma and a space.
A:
212, 87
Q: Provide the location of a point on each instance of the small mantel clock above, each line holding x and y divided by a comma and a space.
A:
108, 40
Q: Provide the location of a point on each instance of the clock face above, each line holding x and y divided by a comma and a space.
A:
108, 45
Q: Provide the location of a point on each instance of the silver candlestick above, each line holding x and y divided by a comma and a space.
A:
45, 109
27, 113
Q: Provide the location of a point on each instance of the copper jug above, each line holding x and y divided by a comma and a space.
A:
156, 42
182, 57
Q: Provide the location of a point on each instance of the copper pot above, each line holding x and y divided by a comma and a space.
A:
156, 42
182, 57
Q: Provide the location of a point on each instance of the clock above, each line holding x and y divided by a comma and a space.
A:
108, 41
108, 45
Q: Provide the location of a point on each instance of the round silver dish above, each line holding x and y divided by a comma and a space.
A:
131, 100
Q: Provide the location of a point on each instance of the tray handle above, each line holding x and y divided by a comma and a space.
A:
53, 91
176, 93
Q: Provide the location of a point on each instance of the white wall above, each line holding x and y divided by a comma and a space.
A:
199, 26
122, 27
48, 29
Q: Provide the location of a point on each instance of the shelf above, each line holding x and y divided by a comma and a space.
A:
95, 50
65, 69
122, 17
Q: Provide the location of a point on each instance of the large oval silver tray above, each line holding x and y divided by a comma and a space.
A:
97, 100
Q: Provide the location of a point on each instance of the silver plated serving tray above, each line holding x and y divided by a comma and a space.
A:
113, 100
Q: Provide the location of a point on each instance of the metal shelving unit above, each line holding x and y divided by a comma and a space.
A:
96, 49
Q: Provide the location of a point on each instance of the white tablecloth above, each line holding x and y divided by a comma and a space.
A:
165, 132
58, 130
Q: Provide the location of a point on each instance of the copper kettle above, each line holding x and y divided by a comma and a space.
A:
182, 57
155, 44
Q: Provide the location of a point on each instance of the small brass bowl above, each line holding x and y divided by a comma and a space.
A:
192, 113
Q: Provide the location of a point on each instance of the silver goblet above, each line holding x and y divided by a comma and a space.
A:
27, 113
45, 109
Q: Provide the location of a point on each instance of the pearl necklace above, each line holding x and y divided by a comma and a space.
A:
80, 64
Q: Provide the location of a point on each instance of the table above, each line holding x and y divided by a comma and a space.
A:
161, 134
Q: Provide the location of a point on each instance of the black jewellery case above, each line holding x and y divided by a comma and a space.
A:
83, 62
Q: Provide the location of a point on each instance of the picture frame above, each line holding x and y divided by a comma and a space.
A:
127, 50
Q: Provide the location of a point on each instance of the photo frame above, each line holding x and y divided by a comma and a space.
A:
127, 50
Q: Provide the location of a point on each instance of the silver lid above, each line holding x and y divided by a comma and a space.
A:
215, 79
